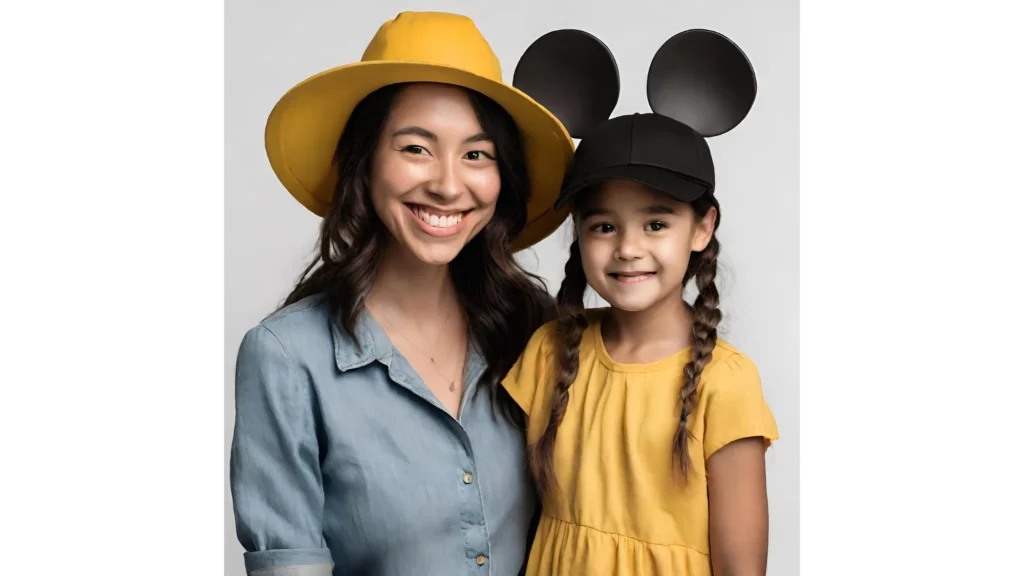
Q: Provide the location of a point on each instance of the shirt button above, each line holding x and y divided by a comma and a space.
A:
467, 478
481, 559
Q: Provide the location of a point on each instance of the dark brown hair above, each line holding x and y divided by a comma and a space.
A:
572, 321
503, 303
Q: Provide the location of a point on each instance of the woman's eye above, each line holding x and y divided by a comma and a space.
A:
478, 155
656, 226
414, 149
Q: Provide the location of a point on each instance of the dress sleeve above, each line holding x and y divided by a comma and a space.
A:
528, 377
276, 486
735, 406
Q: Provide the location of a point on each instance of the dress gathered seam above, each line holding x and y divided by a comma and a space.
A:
617, 535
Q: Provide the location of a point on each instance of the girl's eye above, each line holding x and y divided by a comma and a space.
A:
656, 226
603, 228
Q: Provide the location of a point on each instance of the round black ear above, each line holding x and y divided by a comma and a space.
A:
702, 79
573, 75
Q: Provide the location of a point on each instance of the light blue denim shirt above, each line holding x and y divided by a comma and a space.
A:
344, 457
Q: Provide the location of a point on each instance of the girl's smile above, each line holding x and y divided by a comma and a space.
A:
632, 277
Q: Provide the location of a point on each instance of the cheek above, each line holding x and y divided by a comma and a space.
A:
672, 257
595, 256
485, 184
380, 196
392, 178
381, 190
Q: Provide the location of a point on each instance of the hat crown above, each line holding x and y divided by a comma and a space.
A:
644, 140
437, 38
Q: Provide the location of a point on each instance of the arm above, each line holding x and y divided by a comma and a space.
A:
276, 485
738, 506
738, 428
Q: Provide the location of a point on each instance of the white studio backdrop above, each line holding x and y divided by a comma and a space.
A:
269, 238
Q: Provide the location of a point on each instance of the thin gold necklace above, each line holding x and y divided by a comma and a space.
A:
451, 381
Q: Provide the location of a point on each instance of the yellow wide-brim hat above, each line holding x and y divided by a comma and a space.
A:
304, 127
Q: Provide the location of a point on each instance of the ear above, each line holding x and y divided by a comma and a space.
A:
702, 79
704, 230
573, 75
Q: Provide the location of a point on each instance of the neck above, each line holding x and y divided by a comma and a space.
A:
407, 289
666, 321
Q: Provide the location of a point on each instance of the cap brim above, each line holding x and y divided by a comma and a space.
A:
304, 127
675, 185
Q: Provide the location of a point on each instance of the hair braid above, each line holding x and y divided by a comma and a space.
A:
706, 316
571, 324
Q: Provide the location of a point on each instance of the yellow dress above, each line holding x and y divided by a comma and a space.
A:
620, 506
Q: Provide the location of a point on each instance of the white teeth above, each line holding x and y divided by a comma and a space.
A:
438, 221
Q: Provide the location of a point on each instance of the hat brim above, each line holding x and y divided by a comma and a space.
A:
666, 181
304, 127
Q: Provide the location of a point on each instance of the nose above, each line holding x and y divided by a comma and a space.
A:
629, 246
446, 183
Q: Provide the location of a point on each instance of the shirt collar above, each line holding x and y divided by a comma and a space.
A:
374, 345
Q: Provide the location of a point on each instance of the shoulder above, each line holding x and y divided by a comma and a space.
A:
529, 376
278, 363
543, 339
298, 316
539, 350
730, 368
292, 331
732, 401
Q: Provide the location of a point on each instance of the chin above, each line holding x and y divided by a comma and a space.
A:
635, 302
630, 304
433, 254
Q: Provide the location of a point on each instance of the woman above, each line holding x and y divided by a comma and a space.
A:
371, 432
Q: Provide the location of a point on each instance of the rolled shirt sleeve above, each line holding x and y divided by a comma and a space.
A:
276, 485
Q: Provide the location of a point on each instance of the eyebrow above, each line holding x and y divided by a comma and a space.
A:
593, 212
653, 209
423, 132
659, 209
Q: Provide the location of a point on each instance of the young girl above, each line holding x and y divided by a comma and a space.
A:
646, 431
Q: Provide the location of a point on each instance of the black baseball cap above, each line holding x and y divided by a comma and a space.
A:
650, 149
699, 85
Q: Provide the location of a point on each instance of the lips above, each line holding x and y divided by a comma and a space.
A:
437, 218
632, 277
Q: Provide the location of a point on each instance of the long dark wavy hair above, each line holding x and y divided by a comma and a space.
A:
572, 321
503, 303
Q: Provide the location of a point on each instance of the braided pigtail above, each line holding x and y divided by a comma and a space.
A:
703, 267
571, 324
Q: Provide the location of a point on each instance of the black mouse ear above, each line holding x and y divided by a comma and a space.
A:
702, 79
573, 75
